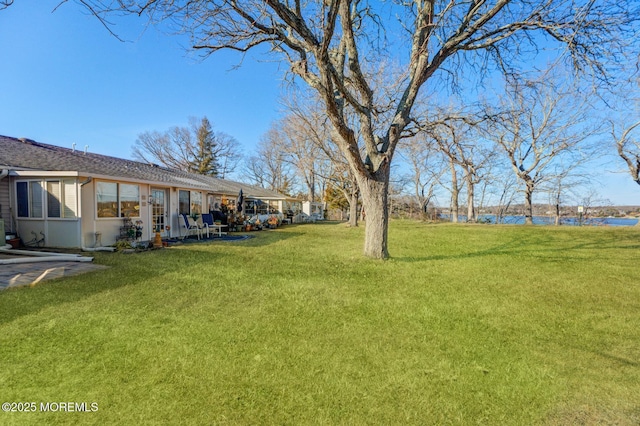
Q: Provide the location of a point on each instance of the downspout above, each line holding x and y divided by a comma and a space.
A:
35, 256
79, 201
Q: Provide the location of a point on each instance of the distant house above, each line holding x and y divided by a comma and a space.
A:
313, 209
68, 195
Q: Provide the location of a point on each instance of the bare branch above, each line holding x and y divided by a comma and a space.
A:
629, 150
545, 126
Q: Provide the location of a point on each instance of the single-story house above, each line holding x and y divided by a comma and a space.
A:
71, 198
314, 210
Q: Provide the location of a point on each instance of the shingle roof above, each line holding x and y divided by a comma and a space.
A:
25, 154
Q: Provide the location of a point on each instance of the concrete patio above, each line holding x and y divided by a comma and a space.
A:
31, 274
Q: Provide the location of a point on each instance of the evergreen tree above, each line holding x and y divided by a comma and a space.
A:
204, 160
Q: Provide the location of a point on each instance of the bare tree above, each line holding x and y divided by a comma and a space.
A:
306, 133
624, 124
455, 139
628, 148
171, 149
542, 125
332, 45
228, 153
318, 129
269, 169
254, 171
556, 192
564, 183
303, 156
5, 3
196, 149
499, 189
590, 201
501, 185
455, 187
426, 167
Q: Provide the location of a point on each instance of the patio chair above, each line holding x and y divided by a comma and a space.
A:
202, 225
190, 225
208, 223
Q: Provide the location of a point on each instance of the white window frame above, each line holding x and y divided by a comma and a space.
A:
118, 201
30, 199
68, 199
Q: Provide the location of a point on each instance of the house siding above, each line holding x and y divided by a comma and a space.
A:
5, 213
58, 232
88, 214
109, 228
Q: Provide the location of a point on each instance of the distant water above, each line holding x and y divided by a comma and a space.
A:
546, 220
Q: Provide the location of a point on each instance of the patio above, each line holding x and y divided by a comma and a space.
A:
24, 274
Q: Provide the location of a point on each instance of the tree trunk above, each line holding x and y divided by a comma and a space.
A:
374, 190
471, 211
454, 194
424, 210
312, 187
353, 209
528, 205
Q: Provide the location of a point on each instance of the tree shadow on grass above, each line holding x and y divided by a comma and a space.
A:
133, 269
539, 247
125, 270
253, 239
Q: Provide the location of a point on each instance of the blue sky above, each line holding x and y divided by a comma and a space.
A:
64, 79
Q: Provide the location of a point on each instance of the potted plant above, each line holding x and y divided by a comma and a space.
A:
272, 221
12, 240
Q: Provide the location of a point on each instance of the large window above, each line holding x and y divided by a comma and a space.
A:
117, 200
229, 203
30, 199
183, 200
107, 196
129, 200
61, 198
190, 202
196, 202
273, 206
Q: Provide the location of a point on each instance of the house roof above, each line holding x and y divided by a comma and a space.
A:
25, 154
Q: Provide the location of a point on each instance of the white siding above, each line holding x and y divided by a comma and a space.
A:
4, 205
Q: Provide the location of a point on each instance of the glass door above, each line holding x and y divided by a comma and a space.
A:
159, 211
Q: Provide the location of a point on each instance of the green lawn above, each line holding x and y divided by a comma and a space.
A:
464, 325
